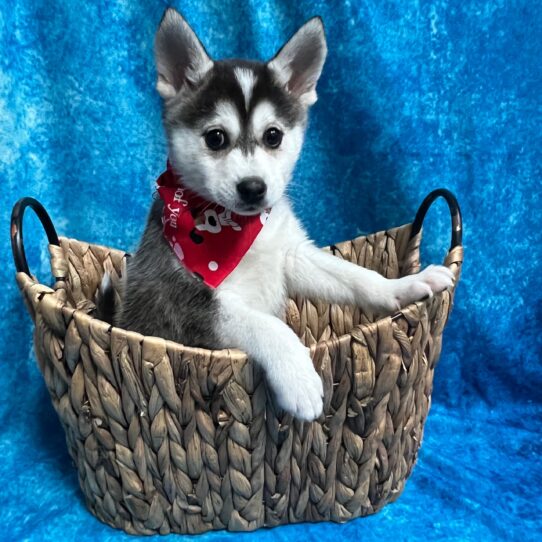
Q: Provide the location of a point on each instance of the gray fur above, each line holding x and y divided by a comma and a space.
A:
161, 298
220, 83
105, 300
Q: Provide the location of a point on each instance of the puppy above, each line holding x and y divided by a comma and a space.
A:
235, 129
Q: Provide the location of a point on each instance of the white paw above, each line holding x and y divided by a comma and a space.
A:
296, 385
394, 294
430, 281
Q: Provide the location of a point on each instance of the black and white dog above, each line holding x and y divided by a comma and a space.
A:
235, 130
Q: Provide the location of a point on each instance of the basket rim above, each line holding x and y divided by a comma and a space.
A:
229, 352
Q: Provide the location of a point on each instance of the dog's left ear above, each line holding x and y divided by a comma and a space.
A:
299, 63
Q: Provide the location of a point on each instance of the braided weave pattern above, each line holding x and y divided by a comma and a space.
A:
168, 438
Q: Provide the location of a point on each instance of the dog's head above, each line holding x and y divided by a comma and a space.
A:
234, 127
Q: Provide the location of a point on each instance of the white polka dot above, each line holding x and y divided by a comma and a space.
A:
213, 266
179, 251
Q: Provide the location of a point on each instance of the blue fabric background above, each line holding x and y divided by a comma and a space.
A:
414, 95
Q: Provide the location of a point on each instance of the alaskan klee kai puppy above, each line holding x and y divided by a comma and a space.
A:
235, 130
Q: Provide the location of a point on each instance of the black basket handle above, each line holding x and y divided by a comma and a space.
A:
455, 212
17, 243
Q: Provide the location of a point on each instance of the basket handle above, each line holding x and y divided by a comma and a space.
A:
17, 242
455, 212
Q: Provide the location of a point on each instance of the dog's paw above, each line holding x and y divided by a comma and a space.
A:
296, 385
394, 294
430, 281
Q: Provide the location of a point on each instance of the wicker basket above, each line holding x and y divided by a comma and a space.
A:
168, 438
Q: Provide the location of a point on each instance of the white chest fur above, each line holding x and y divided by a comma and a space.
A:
259, 279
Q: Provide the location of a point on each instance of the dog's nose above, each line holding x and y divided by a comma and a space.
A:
252, 189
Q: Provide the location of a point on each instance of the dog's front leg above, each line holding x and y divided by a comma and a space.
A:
313, 273
271, 343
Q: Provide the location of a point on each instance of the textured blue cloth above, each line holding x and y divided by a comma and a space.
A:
414, 95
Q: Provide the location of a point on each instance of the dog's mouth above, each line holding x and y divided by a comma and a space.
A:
240, 207
249, 210
245, 209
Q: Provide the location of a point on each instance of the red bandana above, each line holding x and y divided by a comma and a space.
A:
208, 239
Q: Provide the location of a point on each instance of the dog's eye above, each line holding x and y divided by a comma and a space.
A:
272, 137
216, 139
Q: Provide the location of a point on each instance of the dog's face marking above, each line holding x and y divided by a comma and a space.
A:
243, 109
234, 120
225, 117
247, 79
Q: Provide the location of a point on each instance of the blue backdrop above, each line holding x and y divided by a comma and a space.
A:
414, 95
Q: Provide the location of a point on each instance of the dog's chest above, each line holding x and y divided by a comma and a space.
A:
259, 279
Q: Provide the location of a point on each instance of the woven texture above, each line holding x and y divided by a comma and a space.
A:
168, 438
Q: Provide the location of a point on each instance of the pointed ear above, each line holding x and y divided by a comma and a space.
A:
299, 63
181, 59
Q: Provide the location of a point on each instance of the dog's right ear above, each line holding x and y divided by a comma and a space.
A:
181, 59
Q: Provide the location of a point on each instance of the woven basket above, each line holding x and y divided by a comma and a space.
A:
168, 438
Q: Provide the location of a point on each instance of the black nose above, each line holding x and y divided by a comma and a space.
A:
252, 189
